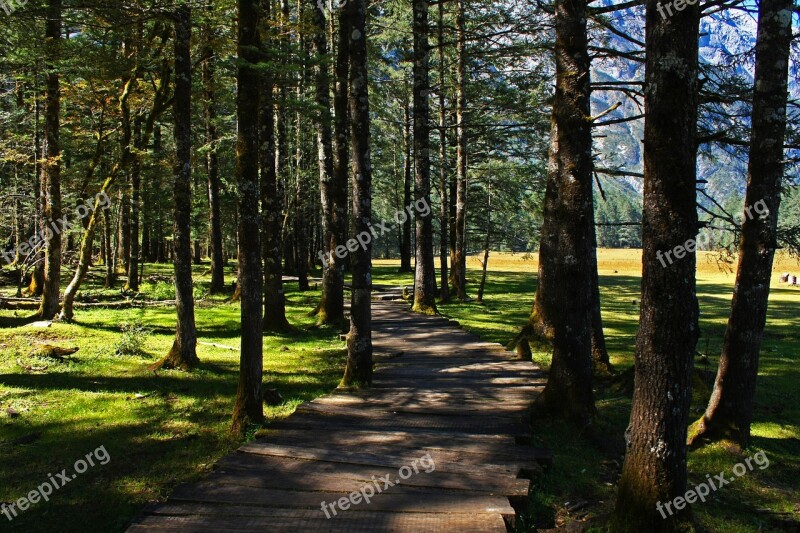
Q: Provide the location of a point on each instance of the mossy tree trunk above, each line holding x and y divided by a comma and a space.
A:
52, 166
425, 271
333, 189
730, 410
459, 261
183, 354
655, 463
209, 73
359, 340
249, 407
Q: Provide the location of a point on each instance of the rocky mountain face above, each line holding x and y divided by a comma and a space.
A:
727, 46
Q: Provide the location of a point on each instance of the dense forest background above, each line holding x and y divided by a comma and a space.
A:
508, 89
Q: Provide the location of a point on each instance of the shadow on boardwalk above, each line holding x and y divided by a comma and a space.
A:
439, 440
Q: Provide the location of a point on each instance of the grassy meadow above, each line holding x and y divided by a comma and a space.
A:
165, 428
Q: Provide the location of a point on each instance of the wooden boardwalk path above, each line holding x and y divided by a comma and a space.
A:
448, 407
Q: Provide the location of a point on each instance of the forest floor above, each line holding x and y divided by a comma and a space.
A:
160, 430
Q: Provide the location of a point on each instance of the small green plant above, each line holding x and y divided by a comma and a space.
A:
132, 340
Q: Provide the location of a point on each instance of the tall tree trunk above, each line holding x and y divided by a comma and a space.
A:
37, 277
136, 202
249, 407
486, 247
331, 307
301, 200
602, 363
408, 175
562, 311
212, 165
730, 410
52, 169
359, 340
425, 271
84, 256
124, 239
460, 258
108, 253
444, 227
183, 354
655, 463
274, 315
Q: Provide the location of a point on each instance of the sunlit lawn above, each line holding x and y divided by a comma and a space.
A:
158, 429
586, 472
170, 427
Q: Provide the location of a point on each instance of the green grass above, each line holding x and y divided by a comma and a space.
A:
159, 429
588, 470
170, 427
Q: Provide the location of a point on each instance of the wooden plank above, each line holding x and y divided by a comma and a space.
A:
387, 461
192, 517
406, 422
346, 479
438, 391
386, 410
409, 500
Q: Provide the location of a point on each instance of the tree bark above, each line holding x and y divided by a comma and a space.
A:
425, 271
602, 363
444, 227
562, 311
212, 166
487, 243
52, 168
655, 463
730, 410
249, 407
331, 307
183, 354
136, 201
408, 172
272, 208
359, 340
460, 258
36, 285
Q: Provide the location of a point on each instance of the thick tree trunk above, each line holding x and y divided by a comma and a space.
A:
655, 463
359, 340
249, 407
331, 307
460, 258
212, 167
408, 174
183, 354
444, 227
730, 411
425, 271
52, 168
562, 311
274, 314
